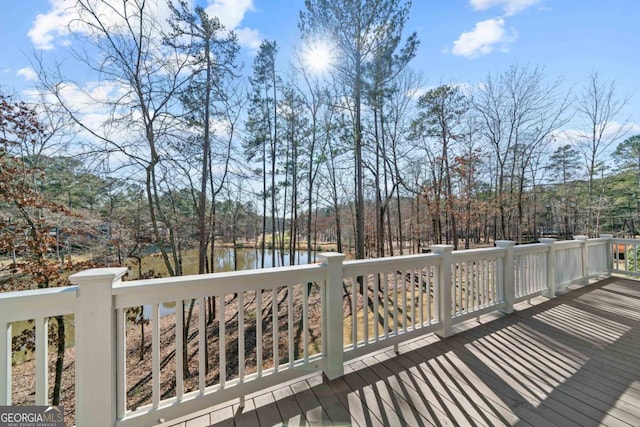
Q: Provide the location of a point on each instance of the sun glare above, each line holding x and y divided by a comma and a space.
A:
318, 57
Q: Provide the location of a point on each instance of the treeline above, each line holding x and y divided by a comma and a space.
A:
180, 150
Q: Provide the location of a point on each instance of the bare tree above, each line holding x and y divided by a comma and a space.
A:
599, 108
519, 111
144, 76
358, 30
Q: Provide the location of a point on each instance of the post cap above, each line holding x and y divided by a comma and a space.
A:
505, 243
94, 275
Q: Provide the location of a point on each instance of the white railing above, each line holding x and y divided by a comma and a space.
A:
626, 258
531, 270
279, 323
475, 282
387, 300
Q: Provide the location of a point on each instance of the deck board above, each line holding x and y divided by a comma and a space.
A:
570, 361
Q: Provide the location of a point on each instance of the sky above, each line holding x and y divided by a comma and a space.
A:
461, 40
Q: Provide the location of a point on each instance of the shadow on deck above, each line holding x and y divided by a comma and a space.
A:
571, 361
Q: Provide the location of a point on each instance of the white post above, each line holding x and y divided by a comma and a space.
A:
333, 315
551, 267
42, 361
507, 287
445, 298
609, 249
5, 364
96, 346
585, 269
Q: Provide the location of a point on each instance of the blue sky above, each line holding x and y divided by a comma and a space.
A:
461, 40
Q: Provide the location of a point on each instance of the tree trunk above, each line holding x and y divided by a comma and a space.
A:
57, 385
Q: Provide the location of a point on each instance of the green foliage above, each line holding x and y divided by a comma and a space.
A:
632, 259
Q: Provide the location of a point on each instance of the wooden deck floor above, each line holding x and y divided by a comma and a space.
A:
571, 361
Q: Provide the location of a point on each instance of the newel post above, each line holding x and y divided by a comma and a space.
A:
333, 315
96, 346
508, 285
551, 266
585, 268
609, 250
444, 300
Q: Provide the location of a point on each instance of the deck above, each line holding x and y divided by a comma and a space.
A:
570, 361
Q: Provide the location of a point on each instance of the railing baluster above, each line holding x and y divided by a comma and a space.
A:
486, 271
430, 286
365, 311
492, 267
275, 329
290, 306
376, 306
179, 349
396, 312
485, 281
5, 363
405, 311
520, 274
468, 291
155, 354
305, 321
420, 295
413, 298
42, 361
458, 270
259, 360
385, 304
241, 355
354, 310
121, 364
525, 274
476, 284
222, 339
488, 280
202, 343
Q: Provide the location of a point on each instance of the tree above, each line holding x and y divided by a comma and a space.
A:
399, 107
316, 102
31, 217
358, 30
441, 113
518, 113
627, 153
563, 164
599, 108
144, 77
214, 52
262, 126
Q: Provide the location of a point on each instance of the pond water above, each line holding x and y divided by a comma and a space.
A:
251, 258
224, 261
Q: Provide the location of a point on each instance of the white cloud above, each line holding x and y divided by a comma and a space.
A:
67, 16
27, 73
229, 12
483, 39
249, 38
612, 132
51, 24
510, 7
52, 27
